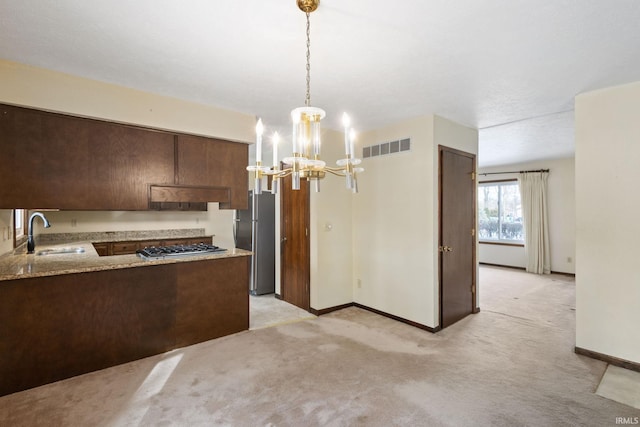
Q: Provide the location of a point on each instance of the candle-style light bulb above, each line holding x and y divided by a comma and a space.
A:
276, 141
259, 131
346, 122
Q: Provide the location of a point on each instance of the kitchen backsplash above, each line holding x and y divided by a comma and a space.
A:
114, 236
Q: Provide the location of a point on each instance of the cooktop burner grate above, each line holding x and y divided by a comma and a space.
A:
154, 252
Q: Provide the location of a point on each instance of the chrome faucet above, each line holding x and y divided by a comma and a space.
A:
31, 244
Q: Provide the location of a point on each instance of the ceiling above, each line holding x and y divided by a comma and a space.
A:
509, 68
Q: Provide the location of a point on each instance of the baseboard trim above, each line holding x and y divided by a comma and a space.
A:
399, 319
524, 269
615, 361
373, 310
329, 310
503, 266
563, 273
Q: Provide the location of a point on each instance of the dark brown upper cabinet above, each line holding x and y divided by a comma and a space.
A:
63, 162
206, 170
123, 161
44, 159
204, 162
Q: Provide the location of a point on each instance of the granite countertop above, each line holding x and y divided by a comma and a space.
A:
21, 265
118, 236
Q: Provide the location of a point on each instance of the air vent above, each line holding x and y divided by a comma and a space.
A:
385, 148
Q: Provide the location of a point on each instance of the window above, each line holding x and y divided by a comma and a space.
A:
500, 212
20, 225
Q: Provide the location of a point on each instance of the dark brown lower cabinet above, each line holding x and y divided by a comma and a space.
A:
57, 327
103, 249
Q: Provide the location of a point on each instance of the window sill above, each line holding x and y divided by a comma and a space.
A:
485, 242
20, 240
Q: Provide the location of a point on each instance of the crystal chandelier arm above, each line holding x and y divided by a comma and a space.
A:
342, 171
280, 174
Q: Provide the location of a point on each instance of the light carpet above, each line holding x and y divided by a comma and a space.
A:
512, 364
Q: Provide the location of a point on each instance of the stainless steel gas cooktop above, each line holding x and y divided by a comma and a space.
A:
155, 252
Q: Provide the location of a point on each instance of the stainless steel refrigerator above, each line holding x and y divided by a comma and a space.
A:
254, 230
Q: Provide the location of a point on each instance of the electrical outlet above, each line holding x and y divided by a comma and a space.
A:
74, 222
359, 283
5, 233
569, 259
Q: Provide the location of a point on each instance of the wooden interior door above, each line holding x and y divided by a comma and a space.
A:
294, 246
457, 235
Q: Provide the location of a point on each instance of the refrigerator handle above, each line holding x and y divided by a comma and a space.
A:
235, 226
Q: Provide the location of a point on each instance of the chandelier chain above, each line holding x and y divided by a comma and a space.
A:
307, 100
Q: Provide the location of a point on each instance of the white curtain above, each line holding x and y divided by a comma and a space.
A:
533, 194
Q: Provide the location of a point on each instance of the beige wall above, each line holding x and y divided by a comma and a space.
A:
28, 86
34, 87
331, 239
395, 219
562, 212
392, 225
607, 226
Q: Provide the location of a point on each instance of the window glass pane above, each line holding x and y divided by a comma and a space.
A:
488, 211
500, 212
19, 222
511, 213
18, 218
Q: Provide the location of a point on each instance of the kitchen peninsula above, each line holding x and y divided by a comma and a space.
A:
67, 314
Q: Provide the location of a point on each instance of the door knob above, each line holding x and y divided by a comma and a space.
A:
284, 239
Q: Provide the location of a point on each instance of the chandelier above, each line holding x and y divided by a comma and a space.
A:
305, 161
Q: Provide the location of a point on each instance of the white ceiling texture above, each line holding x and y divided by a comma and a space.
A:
510, 68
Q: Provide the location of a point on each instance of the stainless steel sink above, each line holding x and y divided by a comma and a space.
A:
58, 251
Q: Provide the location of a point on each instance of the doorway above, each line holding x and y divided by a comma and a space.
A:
294, 244
457, 235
